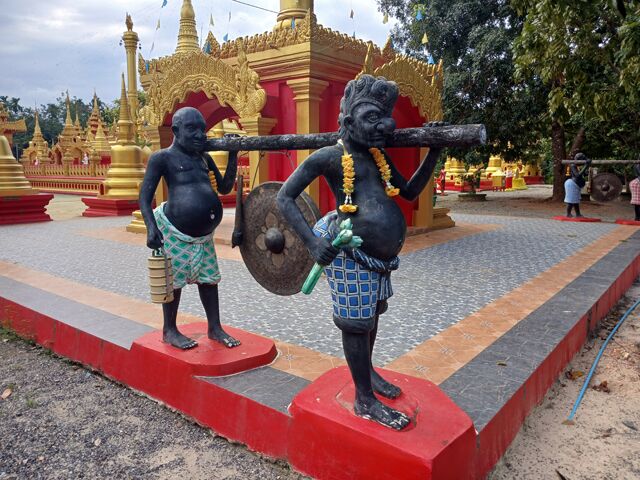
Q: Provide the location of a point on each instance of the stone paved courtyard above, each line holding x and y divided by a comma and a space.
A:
434, 287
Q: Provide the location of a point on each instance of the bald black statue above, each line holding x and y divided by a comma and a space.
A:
184, 224
363, 180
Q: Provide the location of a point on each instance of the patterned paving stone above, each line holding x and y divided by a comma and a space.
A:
434, 288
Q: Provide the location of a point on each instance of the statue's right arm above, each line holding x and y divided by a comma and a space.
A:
314, 166
152, 177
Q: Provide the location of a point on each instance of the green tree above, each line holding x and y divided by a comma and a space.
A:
588, 54
474, 39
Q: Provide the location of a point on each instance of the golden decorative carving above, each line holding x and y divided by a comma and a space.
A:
420, 82
173, 78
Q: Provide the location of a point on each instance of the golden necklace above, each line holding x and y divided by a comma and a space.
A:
349, 176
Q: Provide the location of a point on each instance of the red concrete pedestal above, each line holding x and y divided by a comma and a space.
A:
24, 208
107, 207
327, 441
624, 221
563, 218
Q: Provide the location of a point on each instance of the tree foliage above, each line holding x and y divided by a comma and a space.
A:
588, 54
474, 39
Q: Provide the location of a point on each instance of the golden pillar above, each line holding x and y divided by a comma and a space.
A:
307, 93
292, 10
130, 40
187, 35
258, 170
126, 171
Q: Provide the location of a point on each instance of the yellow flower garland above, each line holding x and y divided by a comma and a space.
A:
385, 171
349, 176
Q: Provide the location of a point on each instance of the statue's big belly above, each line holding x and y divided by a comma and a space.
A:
194, 209
381, 225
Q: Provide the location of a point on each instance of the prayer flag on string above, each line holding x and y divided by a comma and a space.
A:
152, 45
146, 65
158, 25
385, 18
211, 20
293, 24
351, 14
164, 3
419, 15
207, 48
425, 39
229, 15
226, 37
430, 60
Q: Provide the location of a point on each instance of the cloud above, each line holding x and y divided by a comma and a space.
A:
74, 44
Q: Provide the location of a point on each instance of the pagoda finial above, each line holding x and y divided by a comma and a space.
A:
77, 122
125, 125
188, 35
128, 22
68, 121
36, 128
95, 101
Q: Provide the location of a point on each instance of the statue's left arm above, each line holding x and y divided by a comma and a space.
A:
410, 190
225, 184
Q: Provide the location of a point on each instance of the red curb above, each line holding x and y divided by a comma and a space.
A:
497, 435
329, 442
563, 218
622, 221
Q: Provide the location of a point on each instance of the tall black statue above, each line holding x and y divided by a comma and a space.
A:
363, 180
184, 225
573, 185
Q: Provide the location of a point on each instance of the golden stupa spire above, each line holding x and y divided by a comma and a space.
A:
125, 125
68, 121
36, 128
188, 35
76, 124
95, 109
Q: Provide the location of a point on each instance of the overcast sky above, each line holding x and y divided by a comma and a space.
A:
49, 46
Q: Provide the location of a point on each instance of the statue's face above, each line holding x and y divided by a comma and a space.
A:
369, 126
189, 130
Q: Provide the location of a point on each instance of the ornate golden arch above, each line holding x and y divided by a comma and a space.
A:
174, 78
420, 82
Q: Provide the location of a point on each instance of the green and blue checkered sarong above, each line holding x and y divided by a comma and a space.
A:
193, 259
357, 280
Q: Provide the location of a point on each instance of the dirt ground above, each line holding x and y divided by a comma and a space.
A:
62, 421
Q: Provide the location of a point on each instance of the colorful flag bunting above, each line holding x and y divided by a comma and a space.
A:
152, 45
146, 65
293, 24
164, 3
425, 39
207, 48
385, 18
351, 14
229, 15
211, 20
419, 15
430, 60
226, 37
158, 25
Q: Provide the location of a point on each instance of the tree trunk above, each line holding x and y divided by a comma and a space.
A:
559, 153
578, 141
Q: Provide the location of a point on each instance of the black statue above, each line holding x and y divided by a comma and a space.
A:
363, 180
184, 225
573, 185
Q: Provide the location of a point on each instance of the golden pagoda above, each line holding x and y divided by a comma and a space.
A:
95, 118
12, 179
8, 128
38, 149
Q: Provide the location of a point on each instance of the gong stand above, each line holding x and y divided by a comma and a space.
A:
605, 186
273, 253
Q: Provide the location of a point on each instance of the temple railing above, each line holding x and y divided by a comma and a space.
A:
69, 185
51, 170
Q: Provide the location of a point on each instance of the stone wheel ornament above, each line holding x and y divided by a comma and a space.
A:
272, 251
606, 187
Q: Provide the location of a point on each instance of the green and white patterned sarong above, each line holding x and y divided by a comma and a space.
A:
193, 259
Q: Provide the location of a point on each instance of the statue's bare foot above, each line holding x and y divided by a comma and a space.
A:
382, 387
175, 338
219, 335
374, 409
